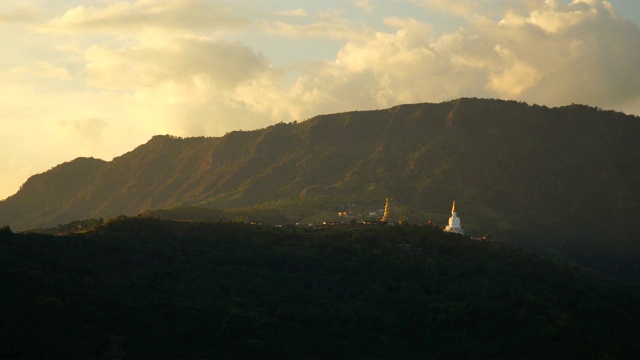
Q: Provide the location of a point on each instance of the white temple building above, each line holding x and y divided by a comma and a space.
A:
454, 222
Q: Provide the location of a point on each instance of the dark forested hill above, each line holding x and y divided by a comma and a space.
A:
547, 177
197, 290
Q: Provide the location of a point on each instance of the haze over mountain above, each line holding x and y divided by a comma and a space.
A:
516, 171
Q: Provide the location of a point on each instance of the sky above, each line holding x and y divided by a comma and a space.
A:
97, 78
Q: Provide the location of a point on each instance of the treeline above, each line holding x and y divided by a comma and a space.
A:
71, 227
177, 289
270, 216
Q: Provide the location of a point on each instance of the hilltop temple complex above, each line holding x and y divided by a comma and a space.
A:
386, 217
454, 222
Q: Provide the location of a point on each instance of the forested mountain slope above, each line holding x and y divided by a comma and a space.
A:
198, 290
547, 177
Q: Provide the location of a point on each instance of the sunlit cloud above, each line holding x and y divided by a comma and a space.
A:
154, 14
328, 25
321, 30
42, 69
586, 56
463, 8
546, 54
293, 13
186, 86
89, 133
193, 61
364, 5
515, 76
552, 17
21, 14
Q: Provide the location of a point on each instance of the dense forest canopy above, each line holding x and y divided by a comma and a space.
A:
185, 289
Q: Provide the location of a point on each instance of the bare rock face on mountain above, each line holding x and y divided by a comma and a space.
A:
514, 169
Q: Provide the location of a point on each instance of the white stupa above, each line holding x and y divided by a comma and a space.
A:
454, 222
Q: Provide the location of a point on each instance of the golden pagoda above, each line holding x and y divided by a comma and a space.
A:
386, 217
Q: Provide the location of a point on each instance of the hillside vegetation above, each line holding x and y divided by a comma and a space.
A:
562, 181
202, 290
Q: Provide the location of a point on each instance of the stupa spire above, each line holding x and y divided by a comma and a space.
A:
387, 213
454, 222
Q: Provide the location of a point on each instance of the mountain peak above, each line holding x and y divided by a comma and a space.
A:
501, 157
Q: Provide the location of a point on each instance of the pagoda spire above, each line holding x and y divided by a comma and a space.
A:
386, 217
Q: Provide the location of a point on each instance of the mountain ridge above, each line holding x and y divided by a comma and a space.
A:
165, 154
516, 171
168, 171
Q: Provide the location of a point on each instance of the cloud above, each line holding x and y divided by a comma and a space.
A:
87, 132
364, 5
200, 85
328, 25
463, 8
186, 86
549, 53
293, 13
382, 70
194, 61
150, 14
551, 17
42, 69
586, 57
22, 14
515, 78
331, 30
